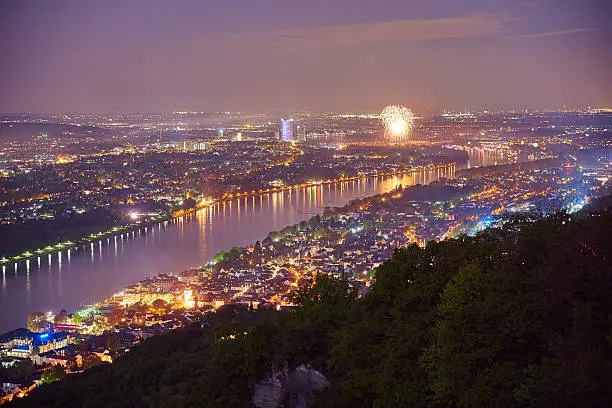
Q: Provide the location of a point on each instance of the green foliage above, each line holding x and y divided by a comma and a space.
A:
494, 320
324, 299
219, 257
55, 373
515, 317
274, 236
227, 258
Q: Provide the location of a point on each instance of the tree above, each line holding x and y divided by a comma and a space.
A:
115, 316
161, 305
83, 346
37, 322
20, 370
220, 256
324, 297
486, 334
267, 242
188, 203
53, 374
274, 236
61, 317
113, 342
90, 361
258, 249
500, 319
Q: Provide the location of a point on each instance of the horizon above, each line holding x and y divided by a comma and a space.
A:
419, 115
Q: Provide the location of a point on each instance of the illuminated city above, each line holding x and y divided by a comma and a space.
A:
346, 239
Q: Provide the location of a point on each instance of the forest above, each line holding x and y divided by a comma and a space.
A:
34, 234
517, 316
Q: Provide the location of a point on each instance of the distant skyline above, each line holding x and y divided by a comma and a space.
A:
340, 55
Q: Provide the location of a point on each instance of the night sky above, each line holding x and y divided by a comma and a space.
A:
340, 55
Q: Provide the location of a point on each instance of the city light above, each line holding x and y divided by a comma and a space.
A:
411, 188
238, 178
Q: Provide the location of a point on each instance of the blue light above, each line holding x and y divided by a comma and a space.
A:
44, 336
286, 130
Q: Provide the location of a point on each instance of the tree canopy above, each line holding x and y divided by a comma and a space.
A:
514, 318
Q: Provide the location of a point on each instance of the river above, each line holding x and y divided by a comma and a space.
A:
87, 274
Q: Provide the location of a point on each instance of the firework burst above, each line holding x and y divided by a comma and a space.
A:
398, 122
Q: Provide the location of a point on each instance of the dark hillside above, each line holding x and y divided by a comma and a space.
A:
512, 319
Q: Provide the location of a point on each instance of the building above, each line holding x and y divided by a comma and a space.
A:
51, 358
23, 351
300, 133
199, 145
52, 341
165, 283
287, 130
18, 337
16, 343
186, 146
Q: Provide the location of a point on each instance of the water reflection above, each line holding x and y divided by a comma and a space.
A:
479, 157
94, 273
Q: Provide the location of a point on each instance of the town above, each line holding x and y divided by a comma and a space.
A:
351, 241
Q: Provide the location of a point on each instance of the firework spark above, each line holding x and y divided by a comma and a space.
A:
398, 122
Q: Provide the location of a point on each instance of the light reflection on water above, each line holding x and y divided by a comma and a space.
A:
91, 272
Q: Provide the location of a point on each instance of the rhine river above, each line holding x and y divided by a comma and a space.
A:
88, 274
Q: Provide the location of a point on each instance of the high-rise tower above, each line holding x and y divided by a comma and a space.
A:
287, 130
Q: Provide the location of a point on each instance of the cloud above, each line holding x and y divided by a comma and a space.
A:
554, 33
474, 25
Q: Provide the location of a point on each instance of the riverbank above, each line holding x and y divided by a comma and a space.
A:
30, 254
351, 240
255, 193
101, 267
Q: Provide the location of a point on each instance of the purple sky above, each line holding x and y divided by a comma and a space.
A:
341, 55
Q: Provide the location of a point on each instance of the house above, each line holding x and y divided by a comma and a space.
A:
49, 341
16, 343
51, 358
